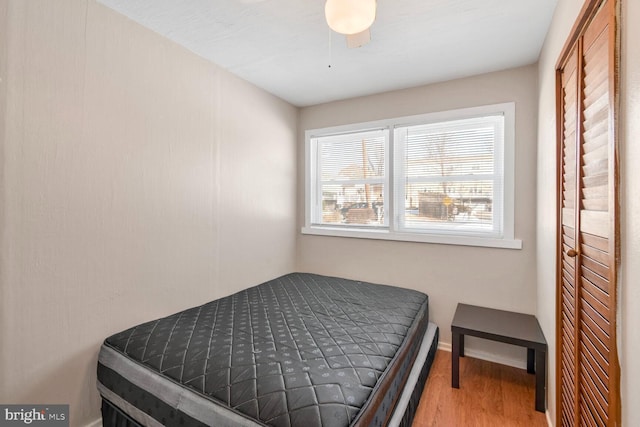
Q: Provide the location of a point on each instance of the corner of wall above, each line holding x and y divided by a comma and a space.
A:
561, 24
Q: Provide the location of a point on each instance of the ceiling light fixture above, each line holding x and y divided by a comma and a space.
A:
350, 16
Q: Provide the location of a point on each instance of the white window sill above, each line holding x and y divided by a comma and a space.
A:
414, 237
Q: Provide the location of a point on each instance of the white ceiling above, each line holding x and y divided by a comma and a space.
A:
285, 46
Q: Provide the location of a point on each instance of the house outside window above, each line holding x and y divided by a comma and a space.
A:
438, 178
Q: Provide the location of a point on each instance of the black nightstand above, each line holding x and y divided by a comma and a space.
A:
504, 326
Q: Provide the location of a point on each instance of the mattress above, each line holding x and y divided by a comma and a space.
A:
300, 350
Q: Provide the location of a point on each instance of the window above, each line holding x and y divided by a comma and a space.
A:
441, 178
351, 179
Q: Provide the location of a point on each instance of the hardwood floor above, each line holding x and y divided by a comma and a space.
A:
490, 395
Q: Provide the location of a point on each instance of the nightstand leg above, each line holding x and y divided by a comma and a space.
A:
541, 369
456, 346
531, 361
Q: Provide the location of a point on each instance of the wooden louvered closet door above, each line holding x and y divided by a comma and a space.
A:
587, 363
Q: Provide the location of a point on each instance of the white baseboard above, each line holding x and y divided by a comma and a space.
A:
490, 357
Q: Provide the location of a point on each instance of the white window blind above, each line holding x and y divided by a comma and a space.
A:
351, 179
449, 176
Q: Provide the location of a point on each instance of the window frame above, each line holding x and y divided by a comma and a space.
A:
392, 231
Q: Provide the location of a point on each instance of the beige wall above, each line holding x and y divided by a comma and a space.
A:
138, 180
629, 315
3, 104
449, 274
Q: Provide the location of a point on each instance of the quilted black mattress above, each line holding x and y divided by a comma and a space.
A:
300, 350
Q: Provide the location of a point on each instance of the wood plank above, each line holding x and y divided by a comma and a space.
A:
596, 204
570, 104
570, 300
568, 231
569, 140
597, 105
588, 420
595, 177
596, 192
594, 133
569, 153
594, 64
568, 320
596, 168
567, 412
593, 300
568, 356
568, 271
567, 277
598, 338
596, 388
490, 395
596, 142
596, 242
568, 217
594, 222
595, 153
595, 254
593, 60
591, 317
598, 381
568, 353
570, 199
593, 265
568, 179
596, 280
568, 316
596, 29
594, 181
567, 389
568, 372
593, 80
570, 120
569, 240
596, 360
569, 303
569, 196
592, 393
571, 64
